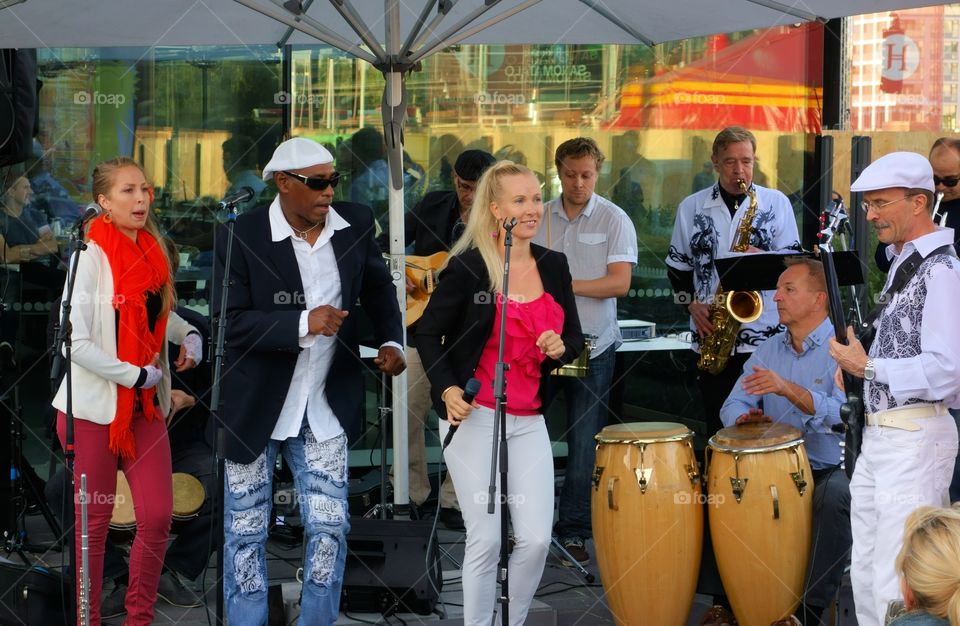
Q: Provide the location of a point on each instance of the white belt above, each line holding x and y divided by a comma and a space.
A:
903, 417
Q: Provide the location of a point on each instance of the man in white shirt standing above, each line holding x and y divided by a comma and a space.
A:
910, 377
293, 383
601, 246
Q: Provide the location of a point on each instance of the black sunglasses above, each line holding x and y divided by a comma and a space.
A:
317, 184
949, 181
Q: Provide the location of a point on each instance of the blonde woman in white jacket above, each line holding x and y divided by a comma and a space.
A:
121, 319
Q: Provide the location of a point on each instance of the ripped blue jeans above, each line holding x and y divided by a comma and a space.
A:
320, 477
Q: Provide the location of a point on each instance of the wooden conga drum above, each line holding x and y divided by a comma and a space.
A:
188, 497
760, 503
647, 521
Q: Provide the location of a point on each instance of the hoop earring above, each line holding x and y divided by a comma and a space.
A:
107, 217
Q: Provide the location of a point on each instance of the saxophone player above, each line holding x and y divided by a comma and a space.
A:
707, 226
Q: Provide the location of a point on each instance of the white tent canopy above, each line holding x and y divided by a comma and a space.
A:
104, 23
393, 35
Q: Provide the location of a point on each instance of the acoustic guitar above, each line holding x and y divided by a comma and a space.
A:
422, 272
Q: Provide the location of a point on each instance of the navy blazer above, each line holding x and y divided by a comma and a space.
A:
459, 319
263, 320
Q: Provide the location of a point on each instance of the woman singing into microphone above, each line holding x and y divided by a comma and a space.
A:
458, 338
121, 319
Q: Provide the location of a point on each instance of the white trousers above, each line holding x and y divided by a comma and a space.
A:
530, 502
897, 471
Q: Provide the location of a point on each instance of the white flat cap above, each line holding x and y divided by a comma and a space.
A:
897, 169
295, 154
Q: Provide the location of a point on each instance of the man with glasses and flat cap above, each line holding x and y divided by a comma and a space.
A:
911, 376
293, 381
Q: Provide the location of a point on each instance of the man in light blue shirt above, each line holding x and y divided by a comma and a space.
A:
790, 379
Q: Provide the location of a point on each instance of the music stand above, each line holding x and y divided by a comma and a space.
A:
760, 272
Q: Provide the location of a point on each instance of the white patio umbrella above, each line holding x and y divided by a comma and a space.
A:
394, 36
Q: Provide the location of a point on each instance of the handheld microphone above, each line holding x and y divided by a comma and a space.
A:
469, 393
243, 195
91, 211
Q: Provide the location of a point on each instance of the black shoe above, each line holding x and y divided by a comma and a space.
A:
574, 546
452, 519
174, 592
112, 604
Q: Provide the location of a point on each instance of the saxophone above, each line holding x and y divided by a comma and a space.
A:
730, 309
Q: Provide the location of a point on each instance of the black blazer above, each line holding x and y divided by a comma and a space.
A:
459, 319
263, 320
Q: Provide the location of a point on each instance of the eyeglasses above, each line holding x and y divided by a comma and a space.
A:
317, 184
949, 181
876, 206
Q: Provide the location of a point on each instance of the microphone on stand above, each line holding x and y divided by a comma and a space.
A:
243, 195
469, 393
91, 211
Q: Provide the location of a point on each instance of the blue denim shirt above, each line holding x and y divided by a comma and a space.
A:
919, 618
813, 369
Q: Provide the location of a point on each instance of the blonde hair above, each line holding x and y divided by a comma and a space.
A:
483, 229
104, 177
928, 561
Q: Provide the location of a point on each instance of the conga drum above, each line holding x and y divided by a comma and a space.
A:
760, 503
647, 521
188, 497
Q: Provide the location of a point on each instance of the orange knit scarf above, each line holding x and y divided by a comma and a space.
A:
139, 267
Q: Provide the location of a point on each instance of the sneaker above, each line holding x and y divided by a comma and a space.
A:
112, 604
574, 546
452, 519
174, 592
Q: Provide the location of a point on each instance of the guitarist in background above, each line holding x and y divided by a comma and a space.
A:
910, 374
789, 379
434, 225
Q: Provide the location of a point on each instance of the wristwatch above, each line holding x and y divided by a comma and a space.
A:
869, 372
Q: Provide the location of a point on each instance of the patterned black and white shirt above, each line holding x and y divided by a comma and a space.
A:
704, 231
916, 349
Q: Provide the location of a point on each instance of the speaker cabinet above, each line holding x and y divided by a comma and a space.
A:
392, 566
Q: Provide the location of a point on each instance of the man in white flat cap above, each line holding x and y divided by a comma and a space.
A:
293, 383
911, 376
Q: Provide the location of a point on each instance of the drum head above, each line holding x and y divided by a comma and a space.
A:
648, 431
756, 435
188, 495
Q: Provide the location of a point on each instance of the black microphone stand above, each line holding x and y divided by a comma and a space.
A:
63, 361
220, 330
498, 449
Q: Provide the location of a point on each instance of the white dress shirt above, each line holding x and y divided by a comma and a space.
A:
321, 285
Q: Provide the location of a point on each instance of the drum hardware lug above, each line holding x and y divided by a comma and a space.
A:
799, 481
776, 501
643, 478
738, 485
610, 502
597, 471
693, 474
